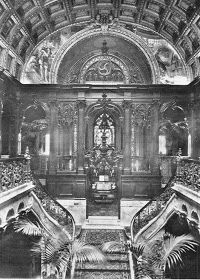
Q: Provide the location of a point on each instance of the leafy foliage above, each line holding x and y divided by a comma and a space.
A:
174, 247
83, 252
112, 246
162, 254
27, 227
57, 249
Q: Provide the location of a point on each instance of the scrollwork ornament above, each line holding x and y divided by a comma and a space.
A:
67, 114
141, 114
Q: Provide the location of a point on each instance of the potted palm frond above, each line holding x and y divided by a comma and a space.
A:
59, 253
153, 259
165, 254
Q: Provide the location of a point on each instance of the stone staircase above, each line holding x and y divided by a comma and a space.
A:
102, 222
97, 231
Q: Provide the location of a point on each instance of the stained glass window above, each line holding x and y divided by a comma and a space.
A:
110, 129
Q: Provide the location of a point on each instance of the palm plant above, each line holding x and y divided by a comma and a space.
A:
165, 254
58, 251
137, 252
152, 259
81, 252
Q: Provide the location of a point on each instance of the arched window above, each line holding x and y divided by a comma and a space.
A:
104, 123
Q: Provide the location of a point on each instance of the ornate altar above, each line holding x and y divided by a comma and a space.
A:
102, 165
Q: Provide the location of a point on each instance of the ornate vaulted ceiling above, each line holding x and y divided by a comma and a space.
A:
24, 24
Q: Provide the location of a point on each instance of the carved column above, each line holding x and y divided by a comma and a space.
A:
53, 128
127, 136
154, 149
81, 104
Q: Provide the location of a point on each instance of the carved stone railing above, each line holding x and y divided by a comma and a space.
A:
14, 172
168, 166
139, 164
182, 171
188, 173
66, 163
54, 209
150, 211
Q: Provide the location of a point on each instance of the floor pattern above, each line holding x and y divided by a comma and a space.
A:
102, 209
117, 264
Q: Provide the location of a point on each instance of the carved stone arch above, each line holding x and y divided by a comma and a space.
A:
10, 214
21, 206
106, 103
173, 126
34, 126
122, 33
195, 216
37, 103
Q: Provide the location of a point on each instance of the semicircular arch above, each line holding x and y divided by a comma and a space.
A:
120, 32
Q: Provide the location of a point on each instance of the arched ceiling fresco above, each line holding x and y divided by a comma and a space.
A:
26, 23
114, 55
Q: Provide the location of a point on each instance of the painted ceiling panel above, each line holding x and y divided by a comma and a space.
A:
177, 21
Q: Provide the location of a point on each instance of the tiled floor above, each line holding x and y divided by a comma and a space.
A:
102, 209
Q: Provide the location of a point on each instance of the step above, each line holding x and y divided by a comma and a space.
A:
99, 274
102, 222
91, 226
119, 266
